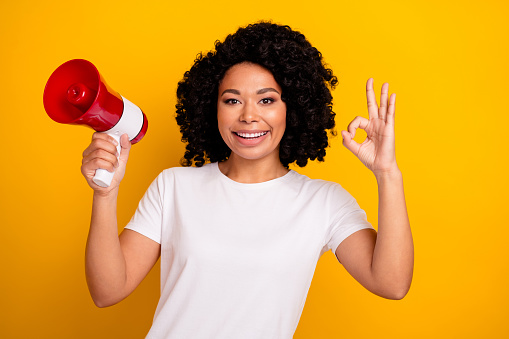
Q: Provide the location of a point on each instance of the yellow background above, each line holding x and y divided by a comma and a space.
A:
447, 62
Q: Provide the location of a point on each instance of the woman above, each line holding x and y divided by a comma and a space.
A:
239, 234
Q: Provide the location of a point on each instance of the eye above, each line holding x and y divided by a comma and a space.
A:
267, 101
231, 101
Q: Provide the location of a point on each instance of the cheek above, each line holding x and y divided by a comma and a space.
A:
222, 119
282, 126
223, 125
280, 119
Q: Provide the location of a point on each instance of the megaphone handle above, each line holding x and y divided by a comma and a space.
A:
103, 177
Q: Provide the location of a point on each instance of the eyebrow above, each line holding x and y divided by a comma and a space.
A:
260, 91
265, 90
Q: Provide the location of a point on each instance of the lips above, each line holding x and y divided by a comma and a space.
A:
249, 136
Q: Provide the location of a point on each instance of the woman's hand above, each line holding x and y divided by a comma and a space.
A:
382, 261
377, 151
102, 153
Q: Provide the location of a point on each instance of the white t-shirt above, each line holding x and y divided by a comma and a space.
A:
237, 259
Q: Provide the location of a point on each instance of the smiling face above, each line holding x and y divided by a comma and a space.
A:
250, 113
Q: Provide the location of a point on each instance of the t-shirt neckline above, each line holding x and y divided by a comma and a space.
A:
268, 183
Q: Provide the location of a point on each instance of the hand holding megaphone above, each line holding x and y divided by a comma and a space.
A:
77, 94
102, 153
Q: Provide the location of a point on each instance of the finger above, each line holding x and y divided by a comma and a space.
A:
89, 168
383, 101
371, 98
104, 136
349, 143
100, 142
391, 112
357, 122
103, 155
125, 145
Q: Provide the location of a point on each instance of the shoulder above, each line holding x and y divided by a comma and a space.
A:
319, 186
175, 179
179, 176
186, 172
325, 195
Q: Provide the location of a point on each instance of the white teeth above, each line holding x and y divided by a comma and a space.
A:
251, 135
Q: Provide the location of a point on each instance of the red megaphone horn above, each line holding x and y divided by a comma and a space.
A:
77, 94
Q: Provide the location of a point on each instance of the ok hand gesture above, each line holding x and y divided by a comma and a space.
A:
377, 151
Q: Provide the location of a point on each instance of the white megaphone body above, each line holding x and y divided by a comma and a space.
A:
77, 94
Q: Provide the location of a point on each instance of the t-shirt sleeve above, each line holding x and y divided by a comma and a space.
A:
147, 220
349, 219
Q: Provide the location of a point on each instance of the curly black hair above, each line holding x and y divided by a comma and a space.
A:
296, 66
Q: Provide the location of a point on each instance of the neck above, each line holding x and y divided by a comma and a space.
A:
252, 171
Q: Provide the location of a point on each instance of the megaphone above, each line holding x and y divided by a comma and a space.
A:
77, 94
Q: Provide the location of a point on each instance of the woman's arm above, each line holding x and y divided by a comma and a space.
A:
382, 262
114, 265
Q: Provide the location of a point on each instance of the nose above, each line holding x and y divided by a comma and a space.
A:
249, 113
